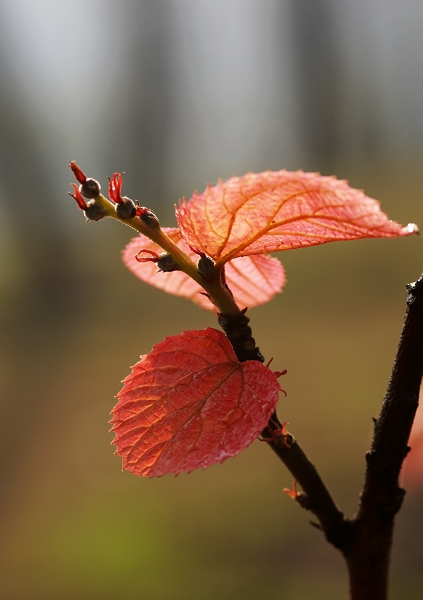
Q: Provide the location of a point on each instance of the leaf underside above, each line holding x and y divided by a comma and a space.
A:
280, 210
253, 280
189, 404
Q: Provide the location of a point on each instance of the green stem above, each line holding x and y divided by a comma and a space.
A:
212, 285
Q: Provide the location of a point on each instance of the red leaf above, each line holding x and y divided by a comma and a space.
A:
253, 280
189, 404
272, 211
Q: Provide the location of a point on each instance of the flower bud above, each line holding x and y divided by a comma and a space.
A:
77, 172
90, 188
167, 263
95, 212
148, 217
115, 187
77, 196
126, 208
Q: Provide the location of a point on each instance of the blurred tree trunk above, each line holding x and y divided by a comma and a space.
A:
140, 129
318, 75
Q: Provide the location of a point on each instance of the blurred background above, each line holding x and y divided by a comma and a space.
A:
178, 93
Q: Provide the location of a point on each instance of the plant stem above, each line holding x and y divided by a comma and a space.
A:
368, 555
316, 497
212, 285
365, 540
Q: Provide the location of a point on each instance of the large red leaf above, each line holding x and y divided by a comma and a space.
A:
272, 211
189, 403
253, 280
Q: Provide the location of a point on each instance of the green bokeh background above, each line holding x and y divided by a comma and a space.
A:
73, 319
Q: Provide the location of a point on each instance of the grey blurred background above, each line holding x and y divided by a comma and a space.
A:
178, 93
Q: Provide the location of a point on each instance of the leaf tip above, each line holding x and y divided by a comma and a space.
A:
411, 229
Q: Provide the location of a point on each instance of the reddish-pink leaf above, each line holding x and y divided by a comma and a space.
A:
272, 211
189, 404
253, 280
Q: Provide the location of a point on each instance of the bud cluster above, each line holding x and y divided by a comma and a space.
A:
89, 188
124, 207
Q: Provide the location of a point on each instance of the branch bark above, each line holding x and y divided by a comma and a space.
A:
366, 540
315, 496
368, 555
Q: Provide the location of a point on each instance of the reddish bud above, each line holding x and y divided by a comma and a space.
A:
115, 187
95, 212
89, 188
78, 197
125, 208
148, 217
79, 174
167, 264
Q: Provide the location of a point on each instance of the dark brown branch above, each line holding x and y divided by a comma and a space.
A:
240, 335
366, 540
381, 498
316, 497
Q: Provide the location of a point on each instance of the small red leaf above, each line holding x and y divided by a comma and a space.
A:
253, 280
273, 211
189, 404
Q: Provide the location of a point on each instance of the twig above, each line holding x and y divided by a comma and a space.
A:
381, 498
366, 540
315, 497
